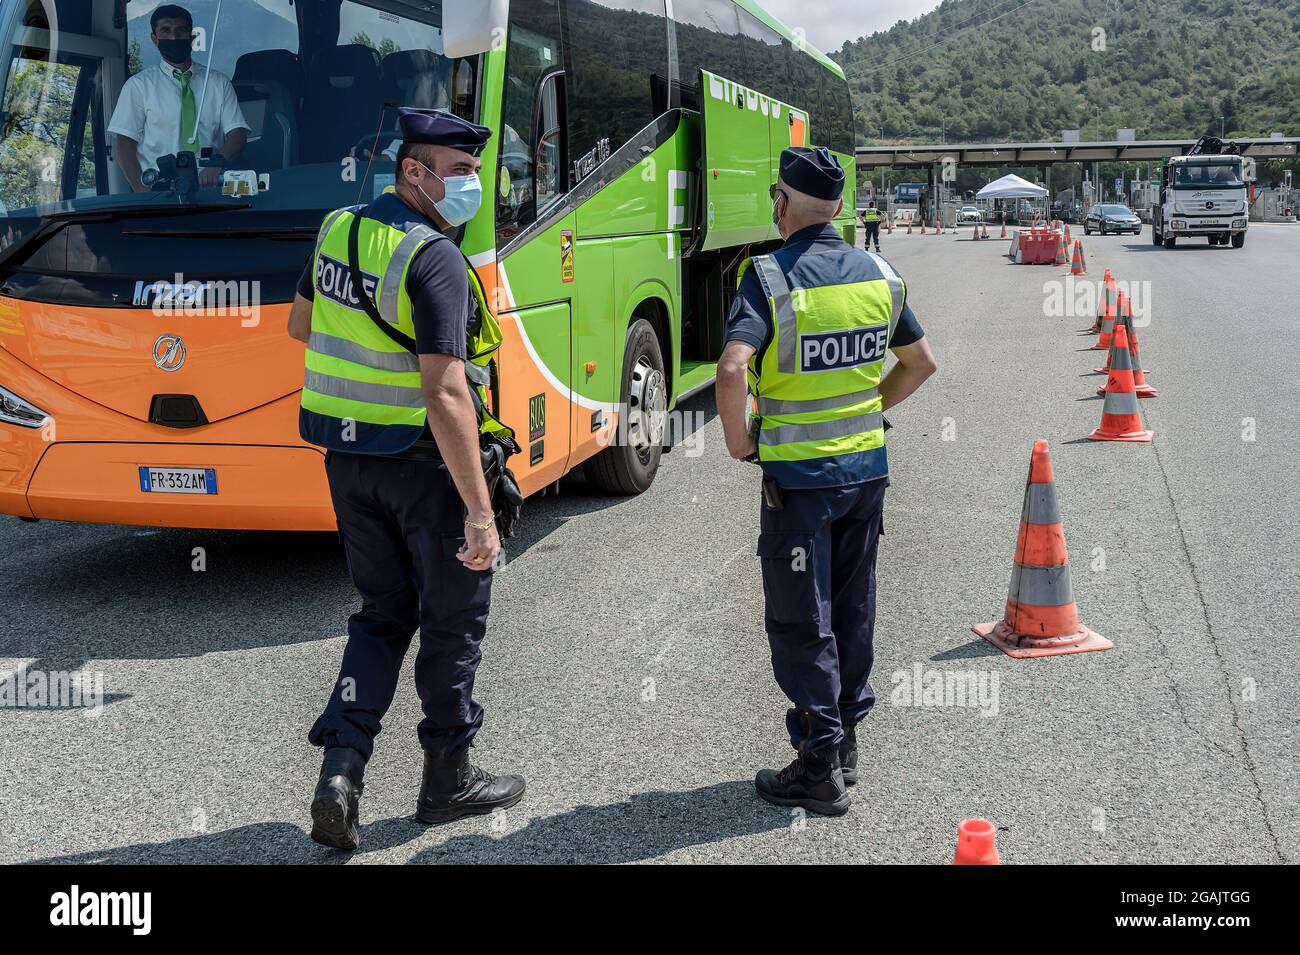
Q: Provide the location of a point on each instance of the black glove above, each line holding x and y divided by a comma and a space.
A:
503, 489
507, 504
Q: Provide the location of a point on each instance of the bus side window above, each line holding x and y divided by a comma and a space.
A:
534, 72
549, 160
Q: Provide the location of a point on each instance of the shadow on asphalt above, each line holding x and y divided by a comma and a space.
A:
644, 827
258, 589
979, 647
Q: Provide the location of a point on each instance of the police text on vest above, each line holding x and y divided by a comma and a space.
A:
334, 281
831, 351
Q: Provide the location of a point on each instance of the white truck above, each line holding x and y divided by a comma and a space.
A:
1204, 193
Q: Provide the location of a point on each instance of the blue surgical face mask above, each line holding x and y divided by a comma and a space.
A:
462, 196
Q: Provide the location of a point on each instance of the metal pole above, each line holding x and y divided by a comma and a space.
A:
207, 73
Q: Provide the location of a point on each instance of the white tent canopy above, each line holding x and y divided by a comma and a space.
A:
1011, 187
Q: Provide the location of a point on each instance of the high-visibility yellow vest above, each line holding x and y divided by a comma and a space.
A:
870, 215
817, 382
361, 388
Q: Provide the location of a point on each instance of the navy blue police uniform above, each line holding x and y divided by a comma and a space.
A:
820, 618
402, 522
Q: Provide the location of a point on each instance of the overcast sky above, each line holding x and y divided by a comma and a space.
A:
828, 23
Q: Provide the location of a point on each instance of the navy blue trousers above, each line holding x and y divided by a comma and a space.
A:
873, 235
819, 583
402, 523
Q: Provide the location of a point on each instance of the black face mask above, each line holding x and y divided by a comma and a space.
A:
176, 51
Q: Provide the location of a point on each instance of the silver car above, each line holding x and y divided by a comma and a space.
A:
1108, 219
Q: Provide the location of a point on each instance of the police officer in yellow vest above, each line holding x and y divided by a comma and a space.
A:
399, 340
809, 329
871, 219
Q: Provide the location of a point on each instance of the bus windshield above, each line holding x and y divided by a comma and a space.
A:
280, 103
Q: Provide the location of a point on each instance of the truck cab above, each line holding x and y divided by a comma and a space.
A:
1202, 194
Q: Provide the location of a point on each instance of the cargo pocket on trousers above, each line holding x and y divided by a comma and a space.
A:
463, 588
789, 576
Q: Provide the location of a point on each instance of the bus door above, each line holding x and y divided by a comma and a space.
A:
742, 135
536, 236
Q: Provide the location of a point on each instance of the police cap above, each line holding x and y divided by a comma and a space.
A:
437, 127
814, 172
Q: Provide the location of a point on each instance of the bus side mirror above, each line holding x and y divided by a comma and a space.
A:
469, 29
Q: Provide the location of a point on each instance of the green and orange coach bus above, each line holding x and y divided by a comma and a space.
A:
145, 374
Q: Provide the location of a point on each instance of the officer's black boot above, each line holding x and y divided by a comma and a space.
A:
849, 756
813, 781
455, 787
334, 807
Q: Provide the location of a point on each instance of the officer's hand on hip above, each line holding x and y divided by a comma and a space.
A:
482, 546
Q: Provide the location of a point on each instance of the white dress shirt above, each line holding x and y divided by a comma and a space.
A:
149, 111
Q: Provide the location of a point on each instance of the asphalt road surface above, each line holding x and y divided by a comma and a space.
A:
626, 672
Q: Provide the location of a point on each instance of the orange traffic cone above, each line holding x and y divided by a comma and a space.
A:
1076, 264
909, 226
977, 843
922, 227
1041, 618
1108, 322
938, 226
1140, 386
986, 230
1106, 301
1004, 231
1121, 419
1067, 232
1061, 257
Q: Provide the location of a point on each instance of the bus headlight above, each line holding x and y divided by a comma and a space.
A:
1179, 224
15, 410
1239, 223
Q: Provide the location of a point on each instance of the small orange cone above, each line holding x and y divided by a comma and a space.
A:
1041, 618
1004, 231
977, 843
1061, 257
938, 226
1121, 419
1076, 264
1067, 232
986, 230
922, 227
909, 226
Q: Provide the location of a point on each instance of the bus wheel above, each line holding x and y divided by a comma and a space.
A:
1238, 239
628, 465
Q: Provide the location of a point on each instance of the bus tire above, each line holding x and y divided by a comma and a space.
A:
629, 464
1238, 239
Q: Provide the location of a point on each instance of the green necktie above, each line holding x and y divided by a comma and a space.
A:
187, 111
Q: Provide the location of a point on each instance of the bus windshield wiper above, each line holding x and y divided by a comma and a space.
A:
53, 221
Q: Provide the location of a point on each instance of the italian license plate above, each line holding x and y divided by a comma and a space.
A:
178, 480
